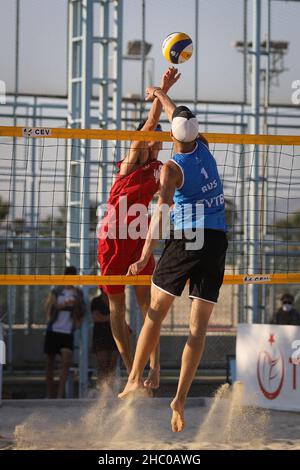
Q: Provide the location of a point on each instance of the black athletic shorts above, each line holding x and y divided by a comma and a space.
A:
203, 268
55, 342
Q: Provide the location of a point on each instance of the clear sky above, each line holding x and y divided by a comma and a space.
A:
43, 44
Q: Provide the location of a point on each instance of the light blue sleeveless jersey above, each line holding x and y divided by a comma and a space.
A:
202, 185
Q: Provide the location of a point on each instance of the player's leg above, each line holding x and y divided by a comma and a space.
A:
120, 328
149, 337
200, 314
143, 296
66, 361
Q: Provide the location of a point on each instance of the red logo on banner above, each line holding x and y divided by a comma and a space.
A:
270, 370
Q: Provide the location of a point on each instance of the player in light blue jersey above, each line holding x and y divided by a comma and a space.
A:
189, 181
201, 183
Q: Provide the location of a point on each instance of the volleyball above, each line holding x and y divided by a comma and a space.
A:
177, 48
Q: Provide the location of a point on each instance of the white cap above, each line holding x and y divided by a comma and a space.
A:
185, 127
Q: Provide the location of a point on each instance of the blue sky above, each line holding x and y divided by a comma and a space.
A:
43, 44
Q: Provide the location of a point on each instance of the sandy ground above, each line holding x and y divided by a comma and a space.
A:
144, 423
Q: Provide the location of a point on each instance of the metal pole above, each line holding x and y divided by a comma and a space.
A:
265, 167
267, 77
15, 105
255, 92
11, 304
254, 176
117, 71
243, 261
245, 55
87, 17
11, 307
103, 94
26, 312
196, 54
143, 58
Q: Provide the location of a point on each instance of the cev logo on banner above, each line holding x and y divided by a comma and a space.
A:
36, 132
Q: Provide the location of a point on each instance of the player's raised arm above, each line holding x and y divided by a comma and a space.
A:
138, 152
166, 102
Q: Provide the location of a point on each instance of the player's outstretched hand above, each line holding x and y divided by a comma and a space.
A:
169, 78
135, 268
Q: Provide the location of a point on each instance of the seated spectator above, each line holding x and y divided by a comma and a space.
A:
286, 314
104, 345
65, 309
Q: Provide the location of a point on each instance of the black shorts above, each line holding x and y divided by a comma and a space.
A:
203, 268
55, 342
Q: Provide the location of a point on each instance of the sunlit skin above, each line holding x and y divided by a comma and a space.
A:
138, 155
161, 301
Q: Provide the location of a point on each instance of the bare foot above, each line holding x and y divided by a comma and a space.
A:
152, 380
177, 421
132, 387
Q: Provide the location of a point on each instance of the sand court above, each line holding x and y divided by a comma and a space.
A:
141, 423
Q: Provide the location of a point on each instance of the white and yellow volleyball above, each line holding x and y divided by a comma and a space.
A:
177, 48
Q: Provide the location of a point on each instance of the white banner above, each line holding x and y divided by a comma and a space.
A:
268, 364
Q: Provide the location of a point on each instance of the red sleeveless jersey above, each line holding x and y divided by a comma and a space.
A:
137, 187
116, 253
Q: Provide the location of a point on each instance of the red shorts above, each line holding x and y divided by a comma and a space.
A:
115, 257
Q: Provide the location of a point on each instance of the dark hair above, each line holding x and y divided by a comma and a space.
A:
182, 111
70, 270
287, 296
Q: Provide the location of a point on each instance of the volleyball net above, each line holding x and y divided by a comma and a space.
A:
54, 180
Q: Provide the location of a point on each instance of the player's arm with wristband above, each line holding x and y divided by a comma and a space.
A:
165, 100
138, 152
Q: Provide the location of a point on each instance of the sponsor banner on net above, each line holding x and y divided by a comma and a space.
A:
256, 278
36, 132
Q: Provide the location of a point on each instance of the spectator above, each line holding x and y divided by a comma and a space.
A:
65, 308
286, 314
104, 345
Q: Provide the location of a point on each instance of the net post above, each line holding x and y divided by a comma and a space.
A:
252, 314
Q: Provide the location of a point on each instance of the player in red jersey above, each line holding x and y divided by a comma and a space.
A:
136, 183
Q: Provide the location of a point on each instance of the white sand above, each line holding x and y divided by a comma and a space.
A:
144, 423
